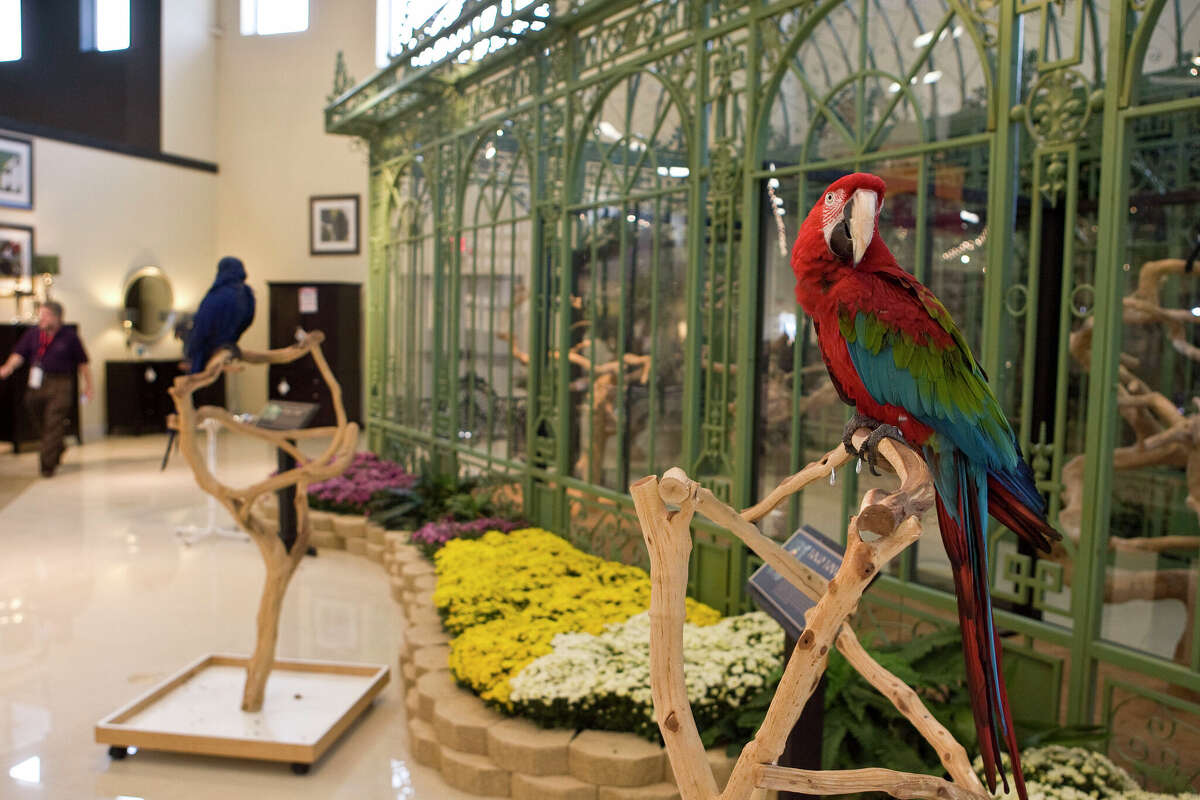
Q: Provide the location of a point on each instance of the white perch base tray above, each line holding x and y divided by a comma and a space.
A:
308, 705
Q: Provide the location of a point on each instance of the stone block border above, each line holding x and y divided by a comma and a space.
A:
476, 750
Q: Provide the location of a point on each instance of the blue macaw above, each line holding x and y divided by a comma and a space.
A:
224, 314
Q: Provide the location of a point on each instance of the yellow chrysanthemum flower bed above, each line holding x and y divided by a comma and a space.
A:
506, 595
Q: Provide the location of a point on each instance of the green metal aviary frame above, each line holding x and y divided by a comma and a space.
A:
580, 219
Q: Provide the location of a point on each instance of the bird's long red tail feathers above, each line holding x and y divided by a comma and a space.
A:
1015, 515
981, 645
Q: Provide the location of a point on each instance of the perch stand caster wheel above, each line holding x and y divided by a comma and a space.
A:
301, 769
117, 753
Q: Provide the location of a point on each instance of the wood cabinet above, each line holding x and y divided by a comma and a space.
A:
335, 309
136, 395
15, 425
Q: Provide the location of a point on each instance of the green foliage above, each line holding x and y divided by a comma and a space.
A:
1043, 734
739, 725
863, 728
431, 497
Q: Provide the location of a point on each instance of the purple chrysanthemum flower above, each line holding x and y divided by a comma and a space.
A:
431, 536
350, 491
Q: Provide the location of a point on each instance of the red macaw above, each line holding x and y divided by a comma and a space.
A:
894, 353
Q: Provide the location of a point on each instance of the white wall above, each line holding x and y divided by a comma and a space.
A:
189, 78
104, 215
274, 153
252, 104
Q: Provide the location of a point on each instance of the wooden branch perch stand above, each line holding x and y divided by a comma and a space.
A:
309, 704
894, 518
280, 563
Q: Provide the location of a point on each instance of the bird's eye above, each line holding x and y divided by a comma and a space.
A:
829, 198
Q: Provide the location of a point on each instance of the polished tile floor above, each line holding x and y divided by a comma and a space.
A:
99, 600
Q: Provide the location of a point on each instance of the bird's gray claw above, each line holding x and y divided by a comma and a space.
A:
856, 422
871, 445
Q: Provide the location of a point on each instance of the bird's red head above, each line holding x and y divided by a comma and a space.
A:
839, 230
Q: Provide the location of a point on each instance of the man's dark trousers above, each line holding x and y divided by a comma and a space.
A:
50, 409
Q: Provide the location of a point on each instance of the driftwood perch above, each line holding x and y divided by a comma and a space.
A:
280, 563
894, 518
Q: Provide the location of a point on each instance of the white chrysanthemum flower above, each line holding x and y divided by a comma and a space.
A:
724, 662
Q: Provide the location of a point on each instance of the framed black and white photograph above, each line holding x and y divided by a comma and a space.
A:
333, 225
16, 172
16, 255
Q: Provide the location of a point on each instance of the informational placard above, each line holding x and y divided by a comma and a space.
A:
308, 299
784, 602
284, 415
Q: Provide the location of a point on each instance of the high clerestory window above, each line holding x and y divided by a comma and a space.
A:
267, 17
395, 23
104, 25
490, 27
10, 30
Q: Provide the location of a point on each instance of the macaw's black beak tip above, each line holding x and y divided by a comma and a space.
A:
840, 242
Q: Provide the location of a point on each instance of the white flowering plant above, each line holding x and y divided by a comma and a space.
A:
1058, 772
603, 681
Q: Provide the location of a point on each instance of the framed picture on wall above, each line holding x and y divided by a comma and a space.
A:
16, 172
16, 256
333, 225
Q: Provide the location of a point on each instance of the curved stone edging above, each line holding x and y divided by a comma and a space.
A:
475, 749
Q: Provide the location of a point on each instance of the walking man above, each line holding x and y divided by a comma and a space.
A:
53, 353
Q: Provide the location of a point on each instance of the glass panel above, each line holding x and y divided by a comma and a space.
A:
878, 74
800, 414
394, 352
636, 143
407, 331
1154, 538
494, 261
1172, 60
628, 274
655, 413
422, 248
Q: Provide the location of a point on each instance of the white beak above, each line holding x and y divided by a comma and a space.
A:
862, 221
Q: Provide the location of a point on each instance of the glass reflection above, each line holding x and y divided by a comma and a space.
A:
28, 771
402, 780
1154, 532
495, 256
628, 275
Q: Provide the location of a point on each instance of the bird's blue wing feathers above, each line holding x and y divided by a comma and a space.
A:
937, 387
223, 316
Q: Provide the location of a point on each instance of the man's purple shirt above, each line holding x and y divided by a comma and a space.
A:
64, 355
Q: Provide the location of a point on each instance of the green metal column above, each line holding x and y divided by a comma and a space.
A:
377, 281
1002, 185
1087, 600
565, 181
749, 303
537, 281
697, 164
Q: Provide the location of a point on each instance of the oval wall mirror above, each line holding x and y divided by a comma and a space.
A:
149, 305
